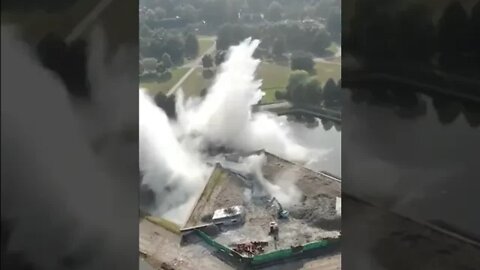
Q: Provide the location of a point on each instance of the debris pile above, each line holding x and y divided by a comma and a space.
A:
251, 249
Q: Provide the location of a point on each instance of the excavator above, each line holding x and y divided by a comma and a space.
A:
281, 213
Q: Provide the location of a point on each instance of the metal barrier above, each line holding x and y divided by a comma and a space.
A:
166, 224
272, 256
213, 243
266, 258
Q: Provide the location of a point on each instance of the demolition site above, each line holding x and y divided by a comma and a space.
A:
242, 222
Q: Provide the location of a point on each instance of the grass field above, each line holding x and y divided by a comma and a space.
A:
194, 84
274, 77
326, 71
163, 87
204, 43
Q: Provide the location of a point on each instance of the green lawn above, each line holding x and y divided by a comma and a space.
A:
194, 84
163, 87
275, 77
326, 71
204, 44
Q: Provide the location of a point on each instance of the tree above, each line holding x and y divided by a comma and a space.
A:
334, 23
302, 61
296, 86
165, 76
187, 12
297, 78
278, 48
175, 48
161, 68
321, 41
150, 64
230, 34
149, 77
167, 60
167, 104
331, 93
154, 46
207, 61
279, 95
313, 91
214, 12
191, 45
274, 11
294, 35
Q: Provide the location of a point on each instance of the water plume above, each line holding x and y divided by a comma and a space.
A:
282, 187
170, 170
225, 117
172, 154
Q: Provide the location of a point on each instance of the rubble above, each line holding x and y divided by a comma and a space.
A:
251, 249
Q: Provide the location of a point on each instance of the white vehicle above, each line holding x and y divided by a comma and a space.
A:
229, 216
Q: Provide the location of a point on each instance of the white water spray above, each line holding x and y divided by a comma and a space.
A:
170, 153
224, 117
173, 172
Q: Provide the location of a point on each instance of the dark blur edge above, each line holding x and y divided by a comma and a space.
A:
388, 62
120, 22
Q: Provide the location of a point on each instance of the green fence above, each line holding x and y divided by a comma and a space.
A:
315, 245
272, 256
212, 242
227, 252
267, 257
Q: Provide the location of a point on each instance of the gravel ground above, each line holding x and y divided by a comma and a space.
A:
163, 247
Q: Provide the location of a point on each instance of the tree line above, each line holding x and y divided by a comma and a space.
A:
218, 12
160, 50
305, 89
279, 38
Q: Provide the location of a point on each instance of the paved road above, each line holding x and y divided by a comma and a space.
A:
275, 106
194, 64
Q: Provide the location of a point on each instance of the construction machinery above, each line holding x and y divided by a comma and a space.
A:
281, 213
